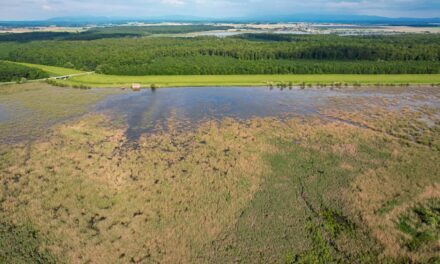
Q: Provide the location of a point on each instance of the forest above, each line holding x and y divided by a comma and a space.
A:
218, 65
243, 54
14, 72
108, 32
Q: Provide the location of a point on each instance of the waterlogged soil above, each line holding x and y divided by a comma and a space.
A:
221, 175
29, 110
3, 113
148, 110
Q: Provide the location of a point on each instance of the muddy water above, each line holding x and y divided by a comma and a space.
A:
150, 110
3, 113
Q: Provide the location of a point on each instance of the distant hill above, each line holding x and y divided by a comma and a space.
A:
310, 18
357, 19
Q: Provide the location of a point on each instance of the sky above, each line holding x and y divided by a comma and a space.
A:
43, 9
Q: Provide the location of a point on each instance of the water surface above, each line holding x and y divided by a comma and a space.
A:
3, 113
150, 110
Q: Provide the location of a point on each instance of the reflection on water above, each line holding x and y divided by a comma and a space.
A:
150, 110
3, 114
147, 110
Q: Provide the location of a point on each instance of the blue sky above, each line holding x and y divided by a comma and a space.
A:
41, 9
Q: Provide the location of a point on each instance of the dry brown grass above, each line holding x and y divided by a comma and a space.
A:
99, 198
160, 201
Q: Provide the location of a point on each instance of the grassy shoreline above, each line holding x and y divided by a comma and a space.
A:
101, 80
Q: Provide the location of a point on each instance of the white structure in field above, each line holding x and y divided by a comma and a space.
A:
136, 86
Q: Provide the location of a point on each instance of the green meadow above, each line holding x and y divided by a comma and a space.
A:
102, 80
52, 70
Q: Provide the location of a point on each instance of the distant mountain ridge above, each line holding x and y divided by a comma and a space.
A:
308, 18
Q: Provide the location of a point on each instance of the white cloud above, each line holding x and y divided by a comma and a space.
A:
173, 2
34, 9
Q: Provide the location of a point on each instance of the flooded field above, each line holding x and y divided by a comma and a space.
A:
38, 106
219, 175
149, 110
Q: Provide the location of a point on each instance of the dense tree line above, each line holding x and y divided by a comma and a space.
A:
30, 36
204, 65
15, 72
398, 39
109, 32
264, 53
35, 36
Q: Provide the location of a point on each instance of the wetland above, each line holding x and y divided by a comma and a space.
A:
219, 174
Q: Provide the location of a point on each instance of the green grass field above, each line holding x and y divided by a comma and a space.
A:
101, 80
52, 70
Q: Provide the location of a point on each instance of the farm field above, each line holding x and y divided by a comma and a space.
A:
203, 175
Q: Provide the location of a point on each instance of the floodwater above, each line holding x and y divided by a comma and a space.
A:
150, 110
3, 113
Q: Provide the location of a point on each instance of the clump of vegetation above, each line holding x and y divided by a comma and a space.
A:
321, 253
81, 86
421, 225
54, 82
57, 83
21, 244
324, 231
19, 73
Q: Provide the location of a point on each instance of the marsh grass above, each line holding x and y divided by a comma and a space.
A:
300, 190
324, 213
421, 226
34, 107
22, 244
182, 189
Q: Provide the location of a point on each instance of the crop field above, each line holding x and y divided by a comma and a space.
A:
356, 181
